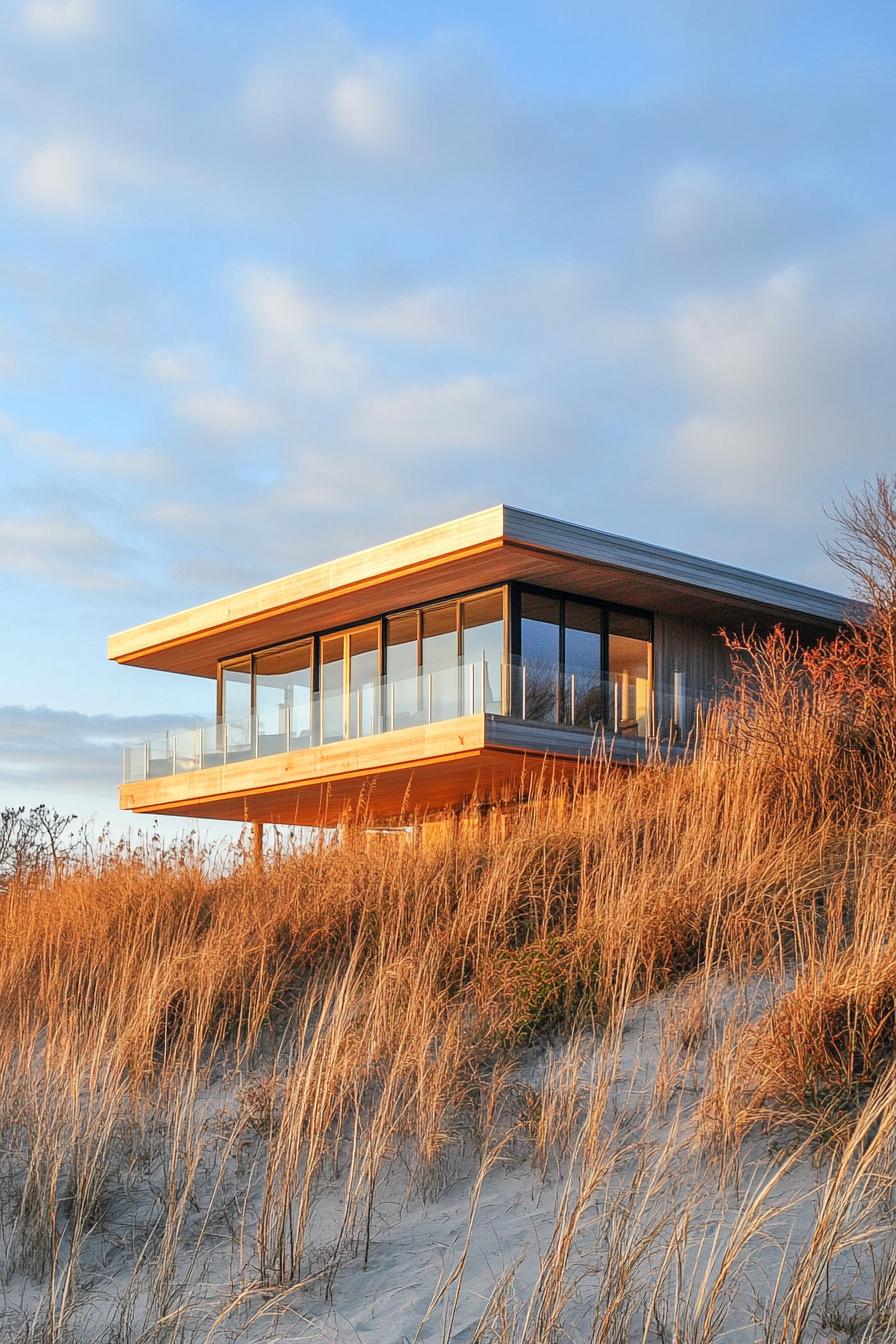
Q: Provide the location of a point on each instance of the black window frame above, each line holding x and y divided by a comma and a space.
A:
517, 588
315, 637
511, 592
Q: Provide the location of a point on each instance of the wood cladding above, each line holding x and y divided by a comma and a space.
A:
697, 650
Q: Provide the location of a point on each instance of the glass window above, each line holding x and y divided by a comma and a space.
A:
482, 627
630, 652
441, 681
538, 689
332, 688
364, 669
236, 706
283, 698
582, 653
236, 690
402, 705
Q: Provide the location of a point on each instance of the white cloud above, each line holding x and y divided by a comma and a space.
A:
285, 94
329, 91
734, 461
366, 108
467, 414
56, 179
76, 177
187, 364
10, 363
431, 313
41, 746
78, 459
58, 544
222, 412
275, 305
285, 327
59, 19
693, 205
791, 381
738, 345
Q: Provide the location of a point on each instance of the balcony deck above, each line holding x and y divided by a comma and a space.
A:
476, 757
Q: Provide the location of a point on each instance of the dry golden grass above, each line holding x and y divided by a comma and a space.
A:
204, 1063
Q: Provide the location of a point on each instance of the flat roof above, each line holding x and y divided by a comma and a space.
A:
480, 549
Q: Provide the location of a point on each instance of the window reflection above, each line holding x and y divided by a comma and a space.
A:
439, 662
283, 698
540, 656
482, 634
630, 653
402, 706
332, 688
582, 664
236, 707
364, 663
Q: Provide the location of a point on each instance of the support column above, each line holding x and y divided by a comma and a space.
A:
258, 843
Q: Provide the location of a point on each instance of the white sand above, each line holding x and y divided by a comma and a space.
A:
646, 1251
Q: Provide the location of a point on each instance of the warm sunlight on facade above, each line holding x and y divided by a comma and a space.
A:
443, 668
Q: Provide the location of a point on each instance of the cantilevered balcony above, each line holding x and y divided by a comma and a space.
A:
464, 719
522, 693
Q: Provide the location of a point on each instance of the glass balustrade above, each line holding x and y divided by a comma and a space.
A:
624, 704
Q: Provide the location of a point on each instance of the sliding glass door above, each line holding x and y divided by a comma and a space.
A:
349, 683
332, 688
439, 663
583, 629
363, 681
283, 698
584, 664
538, 691
630, 674
403, 706
420, 666
482, 653
236, 708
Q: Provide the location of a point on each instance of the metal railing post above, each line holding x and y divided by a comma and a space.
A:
572, 697
429, 693
524, 690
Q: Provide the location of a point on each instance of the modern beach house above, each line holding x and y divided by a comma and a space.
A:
453, 665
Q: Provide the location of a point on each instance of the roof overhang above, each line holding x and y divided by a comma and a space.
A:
481, 549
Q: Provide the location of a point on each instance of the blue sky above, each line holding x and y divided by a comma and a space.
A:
280, 281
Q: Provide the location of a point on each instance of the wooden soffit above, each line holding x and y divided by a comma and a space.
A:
482, 549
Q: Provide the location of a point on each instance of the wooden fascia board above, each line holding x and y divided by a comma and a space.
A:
403, 749
487, 531
303, 784
123, 649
